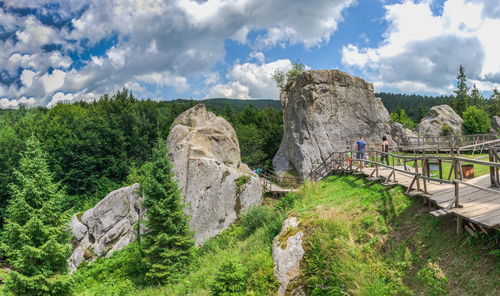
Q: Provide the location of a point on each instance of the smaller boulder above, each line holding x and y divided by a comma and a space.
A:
438, 117
495, 123
107, 227
287, 254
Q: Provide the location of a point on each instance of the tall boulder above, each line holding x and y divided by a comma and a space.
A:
107, 227
216, 186
495, 123
438, 117
326, 111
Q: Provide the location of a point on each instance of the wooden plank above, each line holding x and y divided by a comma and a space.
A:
469, 197
493, 222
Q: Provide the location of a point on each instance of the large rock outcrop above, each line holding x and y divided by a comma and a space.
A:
438, 117
287, 255
107, 227
326, 111
216, 186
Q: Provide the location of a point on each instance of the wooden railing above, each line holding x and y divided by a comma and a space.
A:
417, 166
448, 142
269, 177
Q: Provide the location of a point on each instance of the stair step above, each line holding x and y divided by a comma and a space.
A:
439, 213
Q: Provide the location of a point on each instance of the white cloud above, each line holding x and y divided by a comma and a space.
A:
422, 51
251, 81
16, 103
160, 42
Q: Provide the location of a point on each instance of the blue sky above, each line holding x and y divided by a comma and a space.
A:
68, 50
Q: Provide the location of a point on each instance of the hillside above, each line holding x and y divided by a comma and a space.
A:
361, 239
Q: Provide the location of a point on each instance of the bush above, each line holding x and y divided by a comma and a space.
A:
446, 130
287, 202
400, 117
230, 279
476, 120
256, 217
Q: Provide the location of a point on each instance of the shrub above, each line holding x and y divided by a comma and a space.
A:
446, 130
230, 279
256, 217
476, 120
400, 117
287, 202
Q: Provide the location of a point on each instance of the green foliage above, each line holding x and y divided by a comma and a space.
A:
287, 202
462, 100
242, 180
35, 238
230, 279
401, 117
117, 275
168, 244
476, 120
446, 130
257, 217
433, 279
285, 80
494, 103
416, 106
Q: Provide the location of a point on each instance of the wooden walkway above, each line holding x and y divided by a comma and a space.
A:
475, 200
477, 205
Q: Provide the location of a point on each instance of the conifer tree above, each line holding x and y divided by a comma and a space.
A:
168, 243
36, 236
476, 98
494, 107
462, 99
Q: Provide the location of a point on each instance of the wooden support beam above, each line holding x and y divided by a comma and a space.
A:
460, 223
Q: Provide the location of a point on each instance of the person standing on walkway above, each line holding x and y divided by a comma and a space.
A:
360, 148
385, 148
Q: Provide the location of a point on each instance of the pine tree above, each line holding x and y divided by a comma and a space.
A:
462, 99
421, 113
494, 107
36, 237
168, 244
476, 98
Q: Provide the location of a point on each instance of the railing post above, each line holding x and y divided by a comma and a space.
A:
492, 169
440, 162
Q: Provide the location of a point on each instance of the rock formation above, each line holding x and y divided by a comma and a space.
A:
287, 255
327, 111
438, 117
495, 123
107, 227
400, 134
216, 186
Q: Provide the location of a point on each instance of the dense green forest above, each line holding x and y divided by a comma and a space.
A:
92, 147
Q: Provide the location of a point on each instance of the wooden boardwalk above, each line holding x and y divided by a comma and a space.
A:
475, 200
477, 205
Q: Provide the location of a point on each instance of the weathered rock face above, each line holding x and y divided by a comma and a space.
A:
439, 116
107, 227
400, 134
216, 186
495, 123
287, 255
327, 111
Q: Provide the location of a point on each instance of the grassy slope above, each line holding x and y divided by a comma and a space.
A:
361, 238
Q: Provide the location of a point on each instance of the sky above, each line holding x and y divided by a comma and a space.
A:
67, 50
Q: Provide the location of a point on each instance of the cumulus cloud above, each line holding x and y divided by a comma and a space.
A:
426, 57
251, 81
148, 41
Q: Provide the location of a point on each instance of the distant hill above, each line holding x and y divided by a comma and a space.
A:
219, 104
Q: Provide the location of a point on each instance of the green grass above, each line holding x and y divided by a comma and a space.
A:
367, 239
361, 238
479, 170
